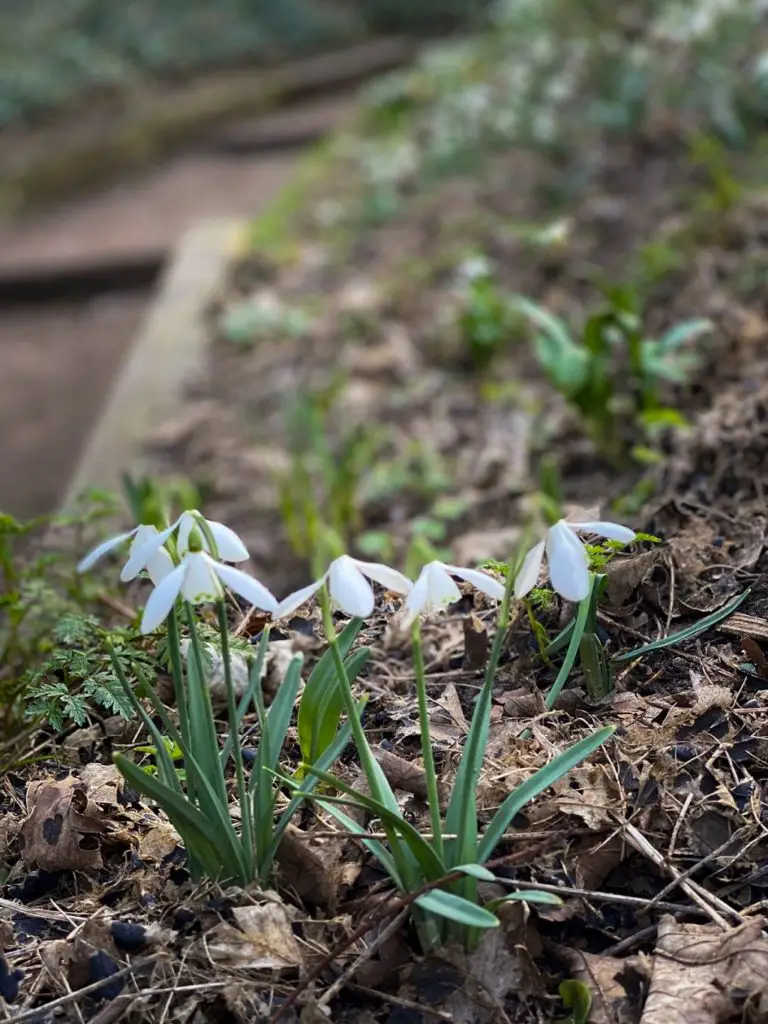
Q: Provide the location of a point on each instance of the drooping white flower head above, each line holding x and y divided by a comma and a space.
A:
199, 579
229, 546
434, 589
566, 557
348, 586
157, 562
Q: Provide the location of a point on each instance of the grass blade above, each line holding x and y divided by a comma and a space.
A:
527, 896
537, 783
431, 865
686, 634
457, 909
582, 615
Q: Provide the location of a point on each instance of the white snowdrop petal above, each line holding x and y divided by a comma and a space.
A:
528, 576
231, 548
480, 580
247, 587
102, 549
568, 563
350, 590
295, 600
418, 600
200, 582
162, 598
383, 574
612, 531
442, 589
141, 554
159, 566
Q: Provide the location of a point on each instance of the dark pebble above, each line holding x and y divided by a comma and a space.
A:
9, 981
101, 966
128, 935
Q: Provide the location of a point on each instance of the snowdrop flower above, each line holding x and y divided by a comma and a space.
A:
434, 589
349, 588
567, 558
158, 562
199, 578
229, 547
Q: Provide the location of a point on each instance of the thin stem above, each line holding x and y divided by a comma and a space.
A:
174, 656
572, 652
242, 790
380, 789
358, 733
433, 798
177, 672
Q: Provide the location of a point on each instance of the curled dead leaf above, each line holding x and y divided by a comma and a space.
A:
62, 828
704, 975
263, 939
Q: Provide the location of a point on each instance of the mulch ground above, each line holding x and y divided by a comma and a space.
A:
658, 844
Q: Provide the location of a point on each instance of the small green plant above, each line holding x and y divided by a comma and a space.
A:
264, 319
185, 561
424, 538
486, 319
78, 674
38, 591
612, 372
581, 640
172, 749
321, 488
721, 191
440, 871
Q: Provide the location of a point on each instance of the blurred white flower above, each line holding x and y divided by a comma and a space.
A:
434, 589
198, 578
157, 562
348, 586
567, 558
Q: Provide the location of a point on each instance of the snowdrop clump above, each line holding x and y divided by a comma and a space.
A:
187, 561
195, 570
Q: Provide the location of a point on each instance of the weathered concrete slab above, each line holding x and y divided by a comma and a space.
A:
169, 348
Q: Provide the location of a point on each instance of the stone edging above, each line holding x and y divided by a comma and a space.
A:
169, 349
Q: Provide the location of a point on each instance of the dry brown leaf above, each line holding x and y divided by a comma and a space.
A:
589, 793
62, 828
492, 972
403, 774
314, 871
476, 642
94, 937
263, 939
480, 545
103, 784
158, 842
702, 976
450, 710
626, 574
612, 982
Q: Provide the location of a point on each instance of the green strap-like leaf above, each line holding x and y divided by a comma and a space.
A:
686, 634
431, 865
254, 681
456, 908
537, 783
189, 822
527, 896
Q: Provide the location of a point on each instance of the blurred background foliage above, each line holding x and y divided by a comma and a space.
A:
54, 51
